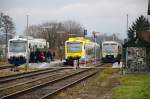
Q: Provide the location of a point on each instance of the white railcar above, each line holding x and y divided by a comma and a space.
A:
19, 47
110, 51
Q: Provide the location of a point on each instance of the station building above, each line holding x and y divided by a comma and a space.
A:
137, 53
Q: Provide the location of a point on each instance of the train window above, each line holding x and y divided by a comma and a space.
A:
105, 44
17, 46
40, 45
110, 47
114, 46
74, 47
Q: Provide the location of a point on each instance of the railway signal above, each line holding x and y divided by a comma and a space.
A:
94, 35
85, 33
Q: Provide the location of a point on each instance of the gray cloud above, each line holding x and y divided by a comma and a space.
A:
107, 16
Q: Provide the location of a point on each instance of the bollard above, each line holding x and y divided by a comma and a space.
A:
75, 64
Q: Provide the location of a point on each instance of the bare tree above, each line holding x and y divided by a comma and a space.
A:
7, 26
34, 30
73, 27
55, 32
105, 37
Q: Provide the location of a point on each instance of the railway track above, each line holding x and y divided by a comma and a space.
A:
26, 83
12, 80
31, 83
70, 82
26, 74
9, 78
6, 66
48, 85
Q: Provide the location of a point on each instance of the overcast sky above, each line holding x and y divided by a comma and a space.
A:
104, 16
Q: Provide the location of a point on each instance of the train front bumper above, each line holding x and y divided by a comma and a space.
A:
17, 60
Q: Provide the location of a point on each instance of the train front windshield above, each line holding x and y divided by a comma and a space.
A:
74, 47
17, 46
109, 47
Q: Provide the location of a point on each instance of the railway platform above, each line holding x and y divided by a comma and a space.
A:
55, 63
116, 65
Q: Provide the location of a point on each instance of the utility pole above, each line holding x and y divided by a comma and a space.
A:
27, 61
125, 58
6, 43
127, 23
1, 19
94, 34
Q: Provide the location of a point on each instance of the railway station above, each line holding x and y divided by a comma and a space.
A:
74, 49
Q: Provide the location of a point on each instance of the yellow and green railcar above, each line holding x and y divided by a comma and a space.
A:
81, 49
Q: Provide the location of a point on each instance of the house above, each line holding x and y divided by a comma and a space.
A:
137, 53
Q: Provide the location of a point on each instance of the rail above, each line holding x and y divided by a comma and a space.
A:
25, 75
82, 74
6, 66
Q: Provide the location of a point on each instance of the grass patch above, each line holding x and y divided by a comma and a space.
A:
133, 86
2, 61
19, 69
106, 73
90, 88
23, 68
6, 73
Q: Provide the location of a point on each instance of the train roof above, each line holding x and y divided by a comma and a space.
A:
29, 38
110, 42
81, 39
115, 42
78, 39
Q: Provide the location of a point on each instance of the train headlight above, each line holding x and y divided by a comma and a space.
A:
115, 55
104, 54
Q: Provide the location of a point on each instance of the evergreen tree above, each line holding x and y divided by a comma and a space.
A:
137, 28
